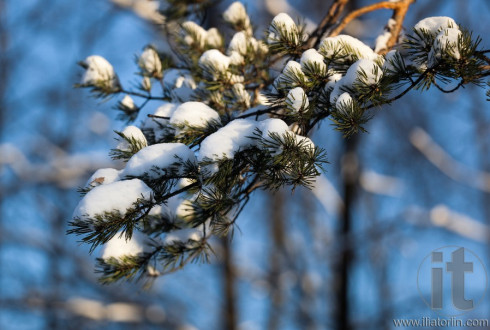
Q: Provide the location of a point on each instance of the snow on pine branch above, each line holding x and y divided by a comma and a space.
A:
226, 124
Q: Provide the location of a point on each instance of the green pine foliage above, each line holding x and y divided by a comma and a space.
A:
242, 85
133, 146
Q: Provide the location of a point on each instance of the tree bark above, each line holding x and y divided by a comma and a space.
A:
230, 314
350, 172
276, 258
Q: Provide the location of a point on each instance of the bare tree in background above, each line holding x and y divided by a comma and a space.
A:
40, 173
367, 242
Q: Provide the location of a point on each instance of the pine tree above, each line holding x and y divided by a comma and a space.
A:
228, 126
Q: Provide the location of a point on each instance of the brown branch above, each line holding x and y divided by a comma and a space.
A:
398, 16
394, 26
400, 6
328, 21
230, 316
159, 117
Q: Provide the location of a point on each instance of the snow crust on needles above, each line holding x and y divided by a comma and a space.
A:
214, 59
337, 46
103, 176
118, 246
297, 99
446, 35
149, 62
195, 114
132, 133
435, 24
283, 21
98, 69
236, 14
238, 135
228, 140
161, 156
313, 58
117, 196
372, 71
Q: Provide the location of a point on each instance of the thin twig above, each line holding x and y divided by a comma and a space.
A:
461, 83
328, 21
159, 117
415, 83
260, 112
398, 16
364, 10
143, 104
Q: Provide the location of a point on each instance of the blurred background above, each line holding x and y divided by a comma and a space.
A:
345, 254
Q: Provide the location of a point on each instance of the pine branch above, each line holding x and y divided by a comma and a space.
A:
217, 188
100, 228
133, 146
127, 267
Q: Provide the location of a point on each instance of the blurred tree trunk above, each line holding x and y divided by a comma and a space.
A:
350, 174
276, 257
3, 104
229, 310
481, 138
51, 293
